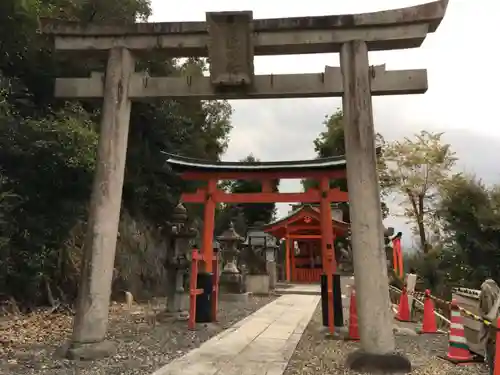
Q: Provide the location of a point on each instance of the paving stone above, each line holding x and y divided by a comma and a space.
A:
261, 344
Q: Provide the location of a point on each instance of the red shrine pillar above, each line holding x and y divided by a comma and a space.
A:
287, 257
328, 256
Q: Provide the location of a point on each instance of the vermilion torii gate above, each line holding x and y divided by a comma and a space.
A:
322, 170
231, 40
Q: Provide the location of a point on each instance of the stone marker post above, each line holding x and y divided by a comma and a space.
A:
91, 320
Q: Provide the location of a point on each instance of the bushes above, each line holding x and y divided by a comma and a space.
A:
48, 156
47, 165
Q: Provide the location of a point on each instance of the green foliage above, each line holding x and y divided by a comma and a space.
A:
468, 252
471, 220
168, 126
254, 212
416, 169
48, 148
331, 142
244, 215
49, 165
28, 55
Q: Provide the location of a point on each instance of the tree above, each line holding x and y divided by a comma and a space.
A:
244, 215
48, 146
331, 142
471, 221
415, 170
254, 212
29, 56
48, 165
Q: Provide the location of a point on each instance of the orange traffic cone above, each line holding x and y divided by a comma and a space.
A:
429, 325
404, 307
353, 319
458, 349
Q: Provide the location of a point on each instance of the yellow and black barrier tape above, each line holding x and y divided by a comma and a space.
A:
476, 317
467, 313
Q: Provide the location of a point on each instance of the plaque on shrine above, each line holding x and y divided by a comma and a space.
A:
230, 48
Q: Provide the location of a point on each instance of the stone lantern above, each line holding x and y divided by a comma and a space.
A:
263, 249
231, 280
178, 262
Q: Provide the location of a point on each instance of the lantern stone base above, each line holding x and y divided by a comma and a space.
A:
232, 286
231, 282
257, 284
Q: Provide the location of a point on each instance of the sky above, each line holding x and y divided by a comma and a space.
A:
463, 76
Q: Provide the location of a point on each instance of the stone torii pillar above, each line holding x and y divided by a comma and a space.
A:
92, 305
372, 295
376, 320
233, 39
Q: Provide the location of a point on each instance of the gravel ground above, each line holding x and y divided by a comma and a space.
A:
145, 340
316, 356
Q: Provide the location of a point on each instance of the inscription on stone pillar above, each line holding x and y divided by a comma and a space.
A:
230, 48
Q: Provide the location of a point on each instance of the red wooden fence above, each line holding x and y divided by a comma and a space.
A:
307, 275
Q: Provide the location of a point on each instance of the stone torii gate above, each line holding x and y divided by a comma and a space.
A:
231, 40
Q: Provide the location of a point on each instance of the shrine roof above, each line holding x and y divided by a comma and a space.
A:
278, 227
184, 163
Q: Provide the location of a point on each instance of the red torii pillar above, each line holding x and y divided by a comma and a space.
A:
327, 249
287, 257
207, 250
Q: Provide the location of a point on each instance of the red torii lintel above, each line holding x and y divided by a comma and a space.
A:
304, 236
310, 196
194, 175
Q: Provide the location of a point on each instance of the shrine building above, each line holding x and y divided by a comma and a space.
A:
301, 232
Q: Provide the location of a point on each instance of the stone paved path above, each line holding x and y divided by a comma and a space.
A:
308, 289
261, 344
313, 289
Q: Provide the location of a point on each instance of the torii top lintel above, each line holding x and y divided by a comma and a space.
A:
265, 172
383, 30
203, 170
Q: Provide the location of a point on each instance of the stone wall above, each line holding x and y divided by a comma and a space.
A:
140, 255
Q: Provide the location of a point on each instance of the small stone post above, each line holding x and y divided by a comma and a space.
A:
375, 319
92, 305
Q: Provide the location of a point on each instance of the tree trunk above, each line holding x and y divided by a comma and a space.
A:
419, 217
421, 227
